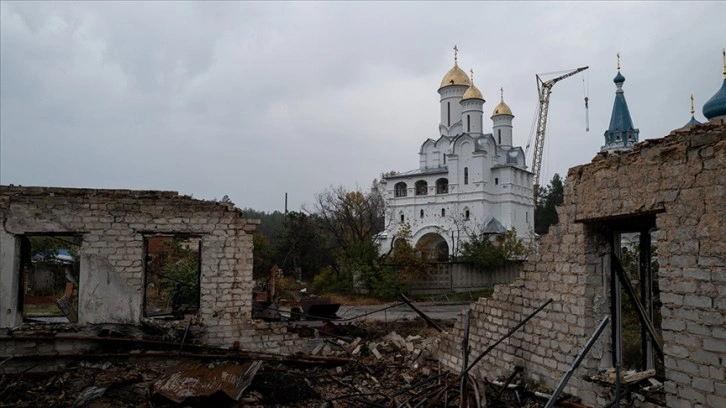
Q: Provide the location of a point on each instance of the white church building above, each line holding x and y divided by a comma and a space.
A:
468, 180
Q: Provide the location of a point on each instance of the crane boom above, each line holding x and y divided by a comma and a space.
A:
545, 89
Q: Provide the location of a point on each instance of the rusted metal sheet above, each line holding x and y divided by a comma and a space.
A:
196, 380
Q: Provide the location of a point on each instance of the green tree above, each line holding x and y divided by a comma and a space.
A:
514, 248
545, 213
262, 256
479, 251
300, 247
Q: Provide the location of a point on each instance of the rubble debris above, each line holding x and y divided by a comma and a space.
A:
199, 380
89, 394
629, 377
372, 364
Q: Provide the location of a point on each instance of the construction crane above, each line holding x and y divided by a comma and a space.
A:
544, 89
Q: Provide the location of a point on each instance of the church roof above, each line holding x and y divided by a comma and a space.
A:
420, 172
494, 227
716, 106
472, 93
621, 134
620, 117
692, 122
502, 109
455, 76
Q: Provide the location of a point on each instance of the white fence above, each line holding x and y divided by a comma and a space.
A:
448, 277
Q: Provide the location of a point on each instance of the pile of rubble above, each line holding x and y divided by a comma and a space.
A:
363, 365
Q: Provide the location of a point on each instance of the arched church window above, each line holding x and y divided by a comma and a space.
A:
402, 218
448, 113
421, 213
401, 189
466, 214
422, 187
443, 212
466, 175
499, 134
468, 123
444, 158
442, 186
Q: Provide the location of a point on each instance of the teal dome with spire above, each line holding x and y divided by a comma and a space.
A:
715, 108
693, 122
621, 134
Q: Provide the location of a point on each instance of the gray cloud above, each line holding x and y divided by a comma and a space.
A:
257, 99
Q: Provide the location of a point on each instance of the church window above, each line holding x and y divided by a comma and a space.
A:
444, 158
466, 214
468, 123
496, 181
401, 189
466, 175
402, 218
443, 212
448, 113
421, 213
442, 186
499, 134
421, 187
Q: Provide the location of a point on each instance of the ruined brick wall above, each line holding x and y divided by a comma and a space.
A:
682, 180
113, 224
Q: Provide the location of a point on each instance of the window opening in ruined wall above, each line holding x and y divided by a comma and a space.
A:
49, 277
172, 275
633, 346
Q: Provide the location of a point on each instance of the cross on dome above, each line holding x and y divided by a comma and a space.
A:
692, 110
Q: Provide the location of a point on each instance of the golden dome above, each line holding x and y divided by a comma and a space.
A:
502, 109
455, 76
473, 93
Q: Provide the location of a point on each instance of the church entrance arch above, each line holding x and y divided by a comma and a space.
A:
433, 247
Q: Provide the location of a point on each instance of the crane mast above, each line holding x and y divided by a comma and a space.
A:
544, 89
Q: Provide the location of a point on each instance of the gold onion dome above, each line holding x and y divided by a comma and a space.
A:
502, 108
455, 76
472, 93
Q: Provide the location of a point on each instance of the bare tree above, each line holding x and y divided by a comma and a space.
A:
351, 219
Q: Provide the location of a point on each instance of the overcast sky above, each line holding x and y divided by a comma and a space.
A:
253, 100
